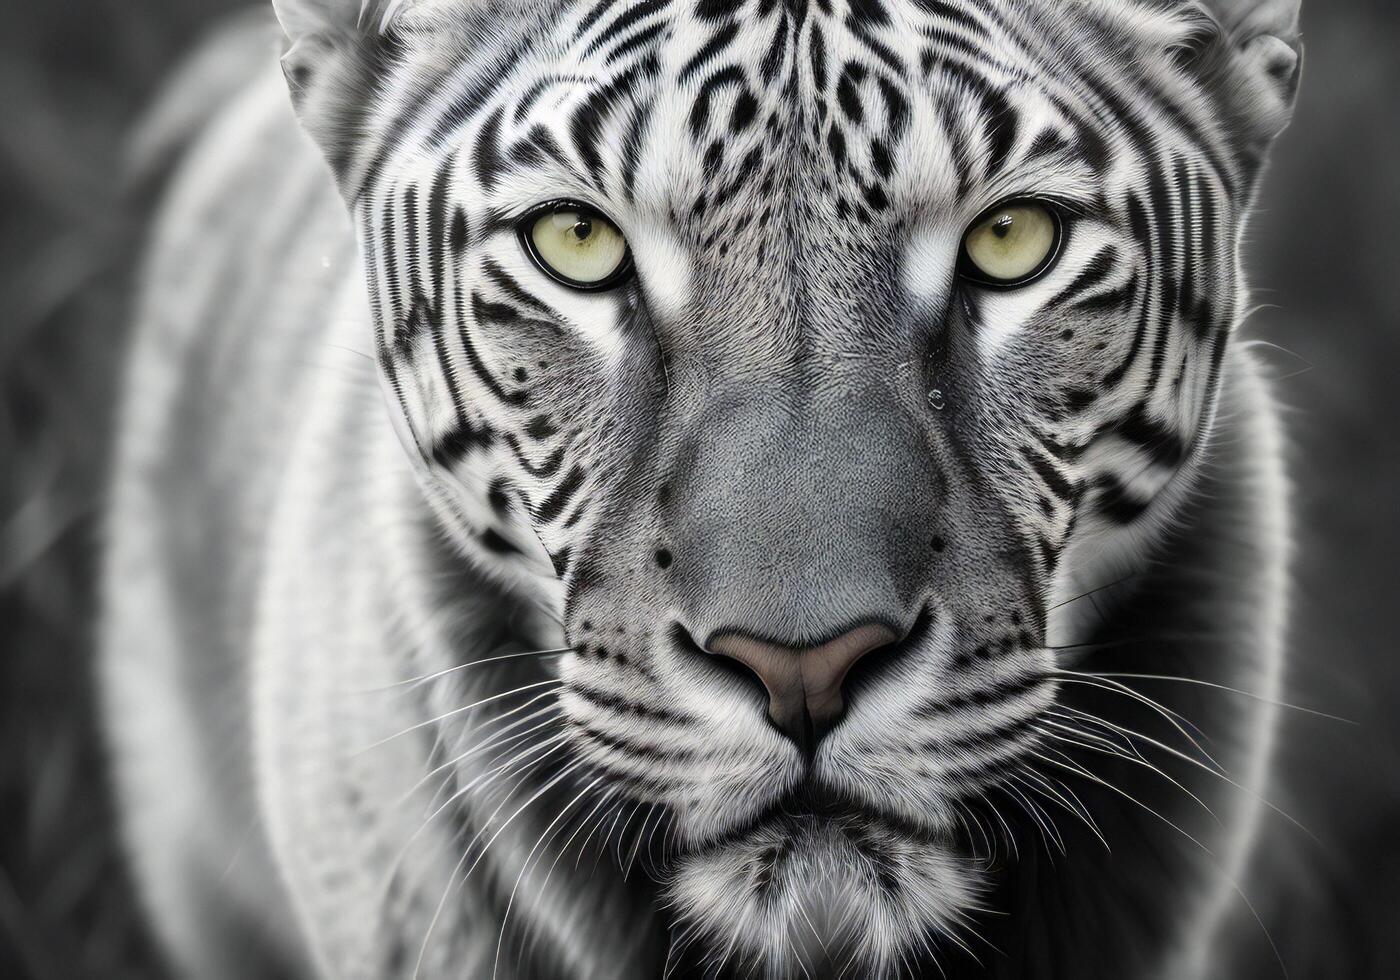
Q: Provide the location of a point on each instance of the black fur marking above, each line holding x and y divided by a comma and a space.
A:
460, 441
553, 505
493, 542
613, 703
540, 427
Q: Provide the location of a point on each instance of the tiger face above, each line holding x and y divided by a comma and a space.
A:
802, 358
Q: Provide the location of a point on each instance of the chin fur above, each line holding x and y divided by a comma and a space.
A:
827, 896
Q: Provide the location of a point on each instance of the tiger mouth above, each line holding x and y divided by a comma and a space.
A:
811, 805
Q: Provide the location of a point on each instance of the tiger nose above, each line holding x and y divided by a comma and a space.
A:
804, 684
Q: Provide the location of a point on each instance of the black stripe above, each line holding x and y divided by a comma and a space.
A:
1166, 213
492, 541
948, 42
535, 148
634, 13
487, 157
1114, 377
527, 101
637, 40
729, 76
816, 50
412, 243
553, 505
958, 15
1001, 126
638, 125
1064, 452
627, 747
506, 283
408, 330
1110, 299
487, 311
387, 250
586, 124
1053, 479
544, 470
438, 209
999, 734
717, 43
1161, 443
540, 427
1114, 501
591, 18
611, 702
1095, 271
460, 441
986, 697
881, 51
484, 312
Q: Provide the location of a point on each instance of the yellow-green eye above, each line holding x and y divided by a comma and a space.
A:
1012, 244
576, 246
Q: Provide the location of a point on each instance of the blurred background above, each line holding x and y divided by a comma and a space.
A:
1325, 255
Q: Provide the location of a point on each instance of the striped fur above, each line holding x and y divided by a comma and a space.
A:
373, 460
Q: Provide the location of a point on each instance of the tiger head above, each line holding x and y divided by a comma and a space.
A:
802, 358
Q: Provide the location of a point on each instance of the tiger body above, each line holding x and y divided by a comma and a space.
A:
403, 533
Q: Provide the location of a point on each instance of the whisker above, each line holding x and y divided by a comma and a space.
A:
446, 671
496, 739
1099, 780
1219, 772
462, 791
1042, 822
1094, 591
591, 822
1135, 760
525, 867
452, 883
1231, 690
1234, 885
1130, 734
457, 711
1173, 718
1045, 787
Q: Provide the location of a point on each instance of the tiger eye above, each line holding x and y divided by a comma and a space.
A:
1012, 243
577, 247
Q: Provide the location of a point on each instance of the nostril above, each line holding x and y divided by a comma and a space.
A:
683, 641
804, 685
882, 660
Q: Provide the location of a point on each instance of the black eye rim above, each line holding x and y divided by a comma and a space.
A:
526, 225
968, 270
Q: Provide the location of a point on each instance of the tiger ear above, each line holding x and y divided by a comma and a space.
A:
316, 29
318, 34
329, 59
1249, 54
340, 19
325, 20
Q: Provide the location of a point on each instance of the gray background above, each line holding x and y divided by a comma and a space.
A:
1324, 251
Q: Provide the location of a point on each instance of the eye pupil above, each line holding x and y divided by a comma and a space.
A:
583, 228
1002, 228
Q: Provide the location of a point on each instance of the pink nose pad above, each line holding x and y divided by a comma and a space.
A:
804, 685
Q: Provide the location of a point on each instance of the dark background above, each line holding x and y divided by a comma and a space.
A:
1325, 255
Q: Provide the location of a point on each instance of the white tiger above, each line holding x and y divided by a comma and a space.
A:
773, 448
